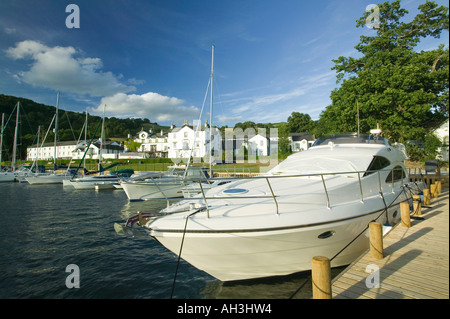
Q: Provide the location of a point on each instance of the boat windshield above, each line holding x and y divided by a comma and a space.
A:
352, 138
321, 165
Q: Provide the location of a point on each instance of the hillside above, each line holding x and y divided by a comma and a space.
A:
33, 115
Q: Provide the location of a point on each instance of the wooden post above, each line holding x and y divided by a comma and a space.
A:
433, 190
321, 277
404, 209
426, 197
417, 204
376, 240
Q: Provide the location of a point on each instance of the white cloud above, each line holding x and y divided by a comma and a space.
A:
58, 68
153, 106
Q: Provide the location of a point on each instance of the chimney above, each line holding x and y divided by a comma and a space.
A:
185, 122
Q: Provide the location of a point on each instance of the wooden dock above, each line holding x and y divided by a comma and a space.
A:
415, 263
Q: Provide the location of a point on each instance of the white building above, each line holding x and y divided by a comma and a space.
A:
442, 133
189, 140
259, 145
301, 141
155, 144
69, 150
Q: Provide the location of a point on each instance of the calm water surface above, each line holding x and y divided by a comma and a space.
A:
45, 228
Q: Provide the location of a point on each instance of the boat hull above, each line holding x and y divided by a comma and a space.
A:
137, 191
230, 255
46, 179
103, 186
7, 177
90, 182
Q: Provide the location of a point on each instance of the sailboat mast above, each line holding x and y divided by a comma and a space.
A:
1, 140
100, 153
16, 131
38, 148
211, 114
56, 133
85, 134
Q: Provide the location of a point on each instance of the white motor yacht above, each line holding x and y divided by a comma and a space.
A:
315, 203
89, 182
162, 186
45, 178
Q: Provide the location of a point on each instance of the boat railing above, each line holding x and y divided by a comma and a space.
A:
363, 179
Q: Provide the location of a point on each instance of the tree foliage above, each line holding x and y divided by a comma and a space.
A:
300, 122
403, 90
70, 125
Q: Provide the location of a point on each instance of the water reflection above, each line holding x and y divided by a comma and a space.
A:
279, 287
149, 206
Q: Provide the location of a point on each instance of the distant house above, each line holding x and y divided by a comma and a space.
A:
189, 140
442, 133
110, 150
301, 141
71, 149
259, 145
154, 144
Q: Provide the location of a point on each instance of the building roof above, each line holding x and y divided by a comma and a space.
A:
302, 136
106, 145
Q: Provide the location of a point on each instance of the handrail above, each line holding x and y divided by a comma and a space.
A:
360, 188
326, 192
274, 196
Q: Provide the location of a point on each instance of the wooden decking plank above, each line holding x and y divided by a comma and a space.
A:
418, 274
416, 262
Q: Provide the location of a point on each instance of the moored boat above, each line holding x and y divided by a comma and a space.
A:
163, 186
89, 182
7, 176
50, 178
316, 202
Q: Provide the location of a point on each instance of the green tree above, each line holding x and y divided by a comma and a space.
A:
405, 91
300, 122
284, 147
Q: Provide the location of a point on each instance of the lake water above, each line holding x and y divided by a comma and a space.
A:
45, 228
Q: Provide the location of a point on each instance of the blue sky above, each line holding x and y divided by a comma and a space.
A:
153, 58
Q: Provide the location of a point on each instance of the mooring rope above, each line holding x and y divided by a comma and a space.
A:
181, 249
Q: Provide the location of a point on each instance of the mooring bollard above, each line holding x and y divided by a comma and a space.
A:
439, 187
433, 190
426, 197
321, 277
417, 204
404, 210
376, 240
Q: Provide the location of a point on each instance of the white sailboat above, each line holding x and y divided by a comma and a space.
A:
50, 178
10, 176
172, 185
314, 203
5, 176
89, 182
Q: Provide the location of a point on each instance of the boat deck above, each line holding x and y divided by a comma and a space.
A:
415, 263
